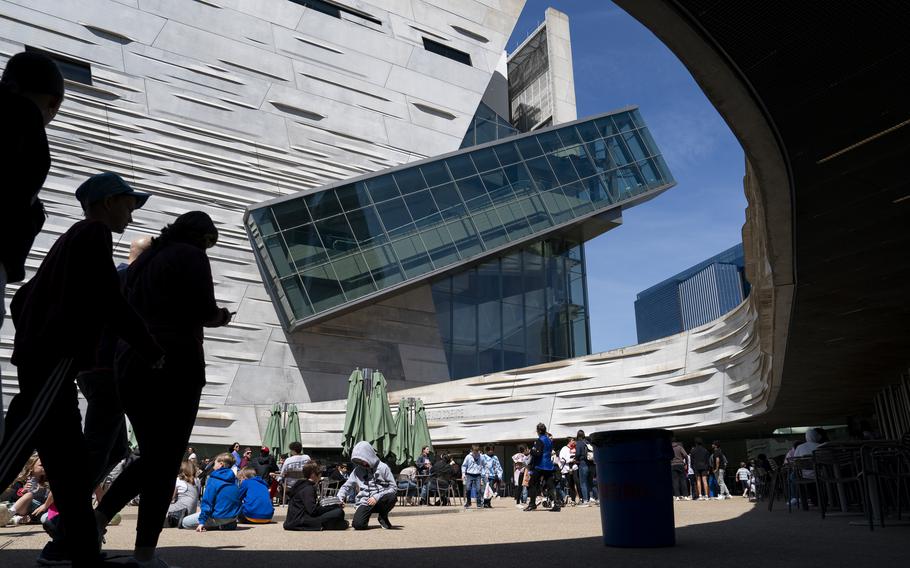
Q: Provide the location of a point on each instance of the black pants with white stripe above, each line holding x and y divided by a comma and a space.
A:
45, 416
161, 405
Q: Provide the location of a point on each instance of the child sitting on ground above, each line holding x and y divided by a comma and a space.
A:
305, 513
376, 488
220, 504
33, 495
254, 494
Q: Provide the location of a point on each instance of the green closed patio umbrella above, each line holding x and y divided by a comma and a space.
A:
380, 426
292, 430
355, 413
420, 430
273, 438
401, 443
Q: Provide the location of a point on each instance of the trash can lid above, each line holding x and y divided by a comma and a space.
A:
620, 436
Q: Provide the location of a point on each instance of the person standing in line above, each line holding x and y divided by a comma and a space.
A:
541, 468
235, 452
471, 471
744, 477
701, 464
31, 92
520, 464
719, 461
492, 475
678, 471
569, 470
76, 282
170, 285
583, 451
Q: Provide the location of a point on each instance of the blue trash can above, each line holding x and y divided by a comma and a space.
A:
633, 481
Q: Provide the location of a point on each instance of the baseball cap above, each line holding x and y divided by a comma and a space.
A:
100, 186
264, 450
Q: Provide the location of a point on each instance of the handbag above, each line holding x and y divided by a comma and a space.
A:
331, 501
488, 492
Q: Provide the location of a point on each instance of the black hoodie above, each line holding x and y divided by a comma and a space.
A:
303, 505
264, 465
63, 310
24, 160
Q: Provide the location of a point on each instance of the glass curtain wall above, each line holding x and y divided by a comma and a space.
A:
328, 248
523, 308
487, 126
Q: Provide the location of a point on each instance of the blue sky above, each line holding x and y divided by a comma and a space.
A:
618, 62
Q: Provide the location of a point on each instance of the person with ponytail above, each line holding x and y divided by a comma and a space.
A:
170, 286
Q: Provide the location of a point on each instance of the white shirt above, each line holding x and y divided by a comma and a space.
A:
567, 460
294, 463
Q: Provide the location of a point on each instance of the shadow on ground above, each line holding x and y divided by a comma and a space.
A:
780, 539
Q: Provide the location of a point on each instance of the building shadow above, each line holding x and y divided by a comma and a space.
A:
781, 539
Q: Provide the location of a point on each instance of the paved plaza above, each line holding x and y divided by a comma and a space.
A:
732, 532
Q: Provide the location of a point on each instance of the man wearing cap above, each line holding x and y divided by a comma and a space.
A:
60, 315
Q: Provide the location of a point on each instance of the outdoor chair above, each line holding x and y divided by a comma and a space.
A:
803, 477
295, 474
836, 470
889, 472
405, 492
328, 488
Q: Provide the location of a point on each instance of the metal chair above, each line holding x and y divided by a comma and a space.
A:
406, 492
328, 488
296, 475
836, 469
803, 472
889, 474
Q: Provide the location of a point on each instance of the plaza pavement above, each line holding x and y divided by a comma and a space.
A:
732, 533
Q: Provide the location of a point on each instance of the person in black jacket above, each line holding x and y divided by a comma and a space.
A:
265, 464
304, 511
170, 285
439, 483
76, 284
31, 91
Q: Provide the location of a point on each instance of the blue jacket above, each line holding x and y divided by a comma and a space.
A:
542, 454
492, 469
221, 499
472, 466
257, 504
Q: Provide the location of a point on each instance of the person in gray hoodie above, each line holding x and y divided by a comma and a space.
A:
374, 485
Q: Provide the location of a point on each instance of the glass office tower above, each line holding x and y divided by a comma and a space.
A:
693, 297
524, 308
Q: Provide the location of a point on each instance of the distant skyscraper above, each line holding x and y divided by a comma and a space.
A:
693, 297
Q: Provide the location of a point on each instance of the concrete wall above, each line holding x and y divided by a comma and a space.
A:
713, 374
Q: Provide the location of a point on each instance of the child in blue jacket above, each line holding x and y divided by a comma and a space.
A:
256, 504
220, 504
